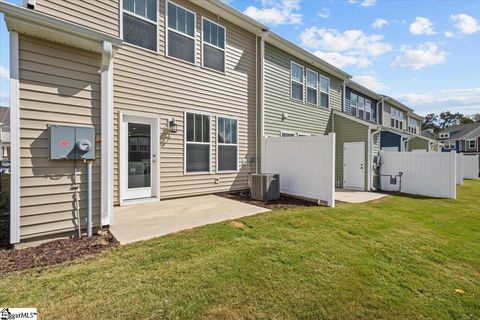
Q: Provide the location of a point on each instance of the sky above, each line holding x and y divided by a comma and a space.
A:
424, 53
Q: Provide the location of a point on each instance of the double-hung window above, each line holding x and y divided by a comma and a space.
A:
412, 126
197, 143
180, 33
324, 91
140, 23
361, 107
312, 87
213, 45
353, 104
368, 110
297, 81
472, 144
227, 144
396, 118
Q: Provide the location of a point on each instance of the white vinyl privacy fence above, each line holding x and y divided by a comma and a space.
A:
460, 168
306, 165
471, 166
422, 173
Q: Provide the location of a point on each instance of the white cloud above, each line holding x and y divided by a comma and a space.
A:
448, 34
4, 73
422, 26
324, 13
465, 23
352, 47
379, 23
371, 82
364, 3
4, 99
341, 60
276, 12
422, 56
466, 100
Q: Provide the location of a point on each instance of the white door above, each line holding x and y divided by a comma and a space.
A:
139, 157
354, 165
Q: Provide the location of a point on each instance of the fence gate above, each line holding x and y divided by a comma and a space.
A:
306, 165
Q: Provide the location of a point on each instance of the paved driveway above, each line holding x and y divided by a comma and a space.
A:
154, 219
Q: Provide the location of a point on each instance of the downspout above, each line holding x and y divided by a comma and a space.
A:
264, 35
107, 151
256, 104
377, 165
343, 96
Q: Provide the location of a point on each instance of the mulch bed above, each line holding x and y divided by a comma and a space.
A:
55, 252
282, 203
4, 229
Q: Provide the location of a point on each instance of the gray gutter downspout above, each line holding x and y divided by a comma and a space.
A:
377, 131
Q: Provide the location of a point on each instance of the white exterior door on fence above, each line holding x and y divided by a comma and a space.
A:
354, 165
306, 165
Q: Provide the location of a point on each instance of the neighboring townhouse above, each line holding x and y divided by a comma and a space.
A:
417, 142
394, 119
4, 133
461, 138
358, 138
168, 86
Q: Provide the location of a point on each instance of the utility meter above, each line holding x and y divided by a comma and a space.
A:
69, 142
84, 145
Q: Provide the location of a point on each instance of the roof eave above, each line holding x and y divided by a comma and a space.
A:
362, 89
302, 54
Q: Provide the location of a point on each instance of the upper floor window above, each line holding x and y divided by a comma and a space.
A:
324, 91
444, 135
471, 144
297, 81
361, 107
412, 125
368, 110
140, 23
180, 33
353, 104
396, 118
450, 145
213, 45
312, 86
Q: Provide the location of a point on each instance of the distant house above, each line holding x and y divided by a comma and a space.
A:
4, 133
461, 138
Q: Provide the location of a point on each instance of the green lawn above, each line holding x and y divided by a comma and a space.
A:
397, 258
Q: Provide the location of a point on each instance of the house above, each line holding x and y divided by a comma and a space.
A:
461, 138
4, 133
170, 88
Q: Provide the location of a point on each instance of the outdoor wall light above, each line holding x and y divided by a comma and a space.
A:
172, 125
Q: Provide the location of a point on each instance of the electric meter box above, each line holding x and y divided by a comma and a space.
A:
71, 143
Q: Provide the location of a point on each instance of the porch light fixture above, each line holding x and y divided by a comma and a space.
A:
172, 125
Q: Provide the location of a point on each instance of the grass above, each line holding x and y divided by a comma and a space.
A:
396, 258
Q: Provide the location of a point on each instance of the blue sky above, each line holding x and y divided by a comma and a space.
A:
425, 53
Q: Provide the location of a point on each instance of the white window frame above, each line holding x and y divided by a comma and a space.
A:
213, 46
144, 19
307, 86
180, 33
468, 144
227, 144
362, 109
371, 110
328, 93
448, 144
302, 83
356, 105
396, 114
185, 142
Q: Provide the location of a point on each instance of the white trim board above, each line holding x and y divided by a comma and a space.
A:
14, 140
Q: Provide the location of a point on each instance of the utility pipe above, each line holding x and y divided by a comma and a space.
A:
89, 197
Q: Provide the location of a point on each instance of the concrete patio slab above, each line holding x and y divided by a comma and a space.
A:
144, 221
352, 196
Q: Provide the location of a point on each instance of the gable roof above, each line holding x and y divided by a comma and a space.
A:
428, 134
461, 130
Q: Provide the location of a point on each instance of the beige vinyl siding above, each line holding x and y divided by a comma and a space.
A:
100, 15
58, 85
347, 130
154, 84
302, 117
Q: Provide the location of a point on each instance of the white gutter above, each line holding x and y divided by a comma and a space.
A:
343, 95
377, 131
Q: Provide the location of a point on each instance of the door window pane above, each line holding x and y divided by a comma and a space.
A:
139, 155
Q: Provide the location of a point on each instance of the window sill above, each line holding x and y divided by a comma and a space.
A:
196, 173
228, 171
213, 70
180, 60
141, 48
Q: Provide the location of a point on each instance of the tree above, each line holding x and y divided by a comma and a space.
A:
430, 122
447, 119
476, 117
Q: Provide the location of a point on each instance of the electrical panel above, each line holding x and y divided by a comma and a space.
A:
71, 143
